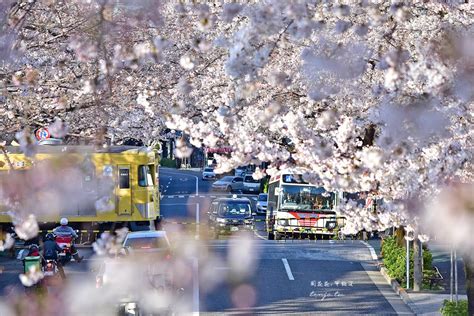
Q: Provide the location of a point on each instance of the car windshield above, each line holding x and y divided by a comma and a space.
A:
234, 209
305, 198
251, 179
147, 243
227, 179
208, 169
263, 197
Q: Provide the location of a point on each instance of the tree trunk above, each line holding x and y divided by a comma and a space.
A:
469, 270
417, 265
400, 236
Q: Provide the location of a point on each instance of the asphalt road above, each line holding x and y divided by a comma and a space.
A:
254, 275
247, 273
286, 277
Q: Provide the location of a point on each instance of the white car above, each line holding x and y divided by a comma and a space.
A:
145, 266
251, 185
208, 173
229, 184
262, 203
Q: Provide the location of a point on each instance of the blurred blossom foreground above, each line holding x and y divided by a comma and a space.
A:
355, 117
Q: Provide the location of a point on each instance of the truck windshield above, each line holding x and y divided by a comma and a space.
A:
305, 198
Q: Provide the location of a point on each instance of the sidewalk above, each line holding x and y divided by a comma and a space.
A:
426, 302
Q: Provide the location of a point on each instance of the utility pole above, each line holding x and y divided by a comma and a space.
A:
456, 276
408, 263
417, 265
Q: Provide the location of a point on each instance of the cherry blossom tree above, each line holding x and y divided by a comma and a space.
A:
357, 96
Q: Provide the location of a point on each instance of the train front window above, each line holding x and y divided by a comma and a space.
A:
145, 177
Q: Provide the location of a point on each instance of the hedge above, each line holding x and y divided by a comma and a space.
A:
394, 259
166, 162
452, 309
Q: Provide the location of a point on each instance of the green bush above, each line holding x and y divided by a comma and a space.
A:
394, 259
451, 308
166, 162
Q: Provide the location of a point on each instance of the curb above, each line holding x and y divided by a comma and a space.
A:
397, 288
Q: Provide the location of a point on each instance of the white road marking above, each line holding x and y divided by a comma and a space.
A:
181, 196
257, 234
185, 175
197, 221
195, 287
288, 270
371, 249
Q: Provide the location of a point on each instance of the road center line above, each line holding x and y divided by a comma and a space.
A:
288, 270
197, 221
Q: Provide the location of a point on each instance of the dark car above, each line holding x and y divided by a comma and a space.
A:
229, 215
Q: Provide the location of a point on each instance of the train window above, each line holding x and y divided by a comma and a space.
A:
124, 178
145, 177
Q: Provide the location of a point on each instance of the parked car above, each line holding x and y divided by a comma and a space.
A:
229, 215
251, 185
262, 203
208, 173
229, 184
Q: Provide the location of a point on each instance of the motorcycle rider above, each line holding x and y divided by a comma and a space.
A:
65, 230
50, 252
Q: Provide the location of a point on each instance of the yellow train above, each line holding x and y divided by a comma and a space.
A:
93, 188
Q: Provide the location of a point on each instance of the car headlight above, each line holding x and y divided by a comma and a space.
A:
331, 225
283, 222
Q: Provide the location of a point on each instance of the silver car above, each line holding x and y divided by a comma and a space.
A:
229, 184
208, 173
251, 185
262, 203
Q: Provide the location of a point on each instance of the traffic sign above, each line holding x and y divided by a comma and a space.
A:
42, 133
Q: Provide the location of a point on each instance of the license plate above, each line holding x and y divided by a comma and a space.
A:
234, 229
62, 254
251, 189
48, 273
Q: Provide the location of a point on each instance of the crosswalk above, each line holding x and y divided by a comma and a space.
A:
206, 196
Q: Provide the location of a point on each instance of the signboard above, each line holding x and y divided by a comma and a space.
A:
42, 134
219, 150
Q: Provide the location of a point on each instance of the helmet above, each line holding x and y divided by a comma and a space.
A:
34, 247
63, 221
49, 236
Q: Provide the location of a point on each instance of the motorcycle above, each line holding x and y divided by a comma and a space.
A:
65, 243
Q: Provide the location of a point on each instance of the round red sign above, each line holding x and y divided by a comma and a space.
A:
42, 133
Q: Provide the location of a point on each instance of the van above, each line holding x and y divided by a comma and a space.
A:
251, 185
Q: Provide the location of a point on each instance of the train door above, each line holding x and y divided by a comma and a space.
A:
124, 190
